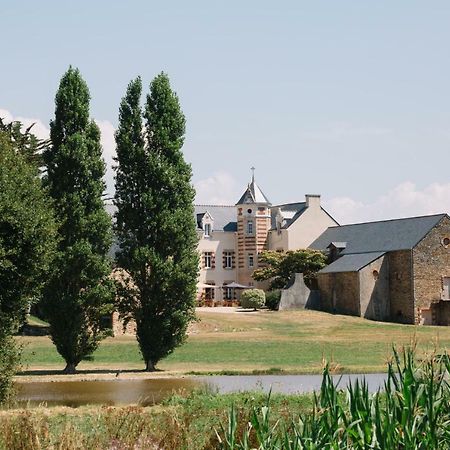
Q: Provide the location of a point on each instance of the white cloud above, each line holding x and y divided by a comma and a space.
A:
221, 188
107, 140
404, 200
109, 152
40, 130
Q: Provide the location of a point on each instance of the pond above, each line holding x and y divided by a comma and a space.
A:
152, 391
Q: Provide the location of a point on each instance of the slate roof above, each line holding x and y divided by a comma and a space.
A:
224, 217
383, 236
351, 263
290, 212
255, 193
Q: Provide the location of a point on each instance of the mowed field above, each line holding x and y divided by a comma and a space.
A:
243, 342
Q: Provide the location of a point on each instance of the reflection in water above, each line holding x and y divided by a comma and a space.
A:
151, 391
114, 392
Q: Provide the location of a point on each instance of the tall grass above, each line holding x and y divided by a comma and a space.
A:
411, 412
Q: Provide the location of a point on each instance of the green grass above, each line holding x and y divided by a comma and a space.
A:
291, 342
35, 321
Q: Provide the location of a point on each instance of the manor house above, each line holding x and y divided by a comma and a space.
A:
231, 237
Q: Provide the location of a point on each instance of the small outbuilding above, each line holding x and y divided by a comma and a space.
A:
393, 270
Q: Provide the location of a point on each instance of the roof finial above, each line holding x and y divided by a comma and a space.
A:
253, 174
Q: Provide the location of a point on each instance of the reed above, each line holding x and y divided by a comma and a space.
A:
411, 412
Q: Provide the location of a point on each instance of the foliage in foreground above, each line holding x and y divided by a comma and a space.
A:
413, 412
279, 267
184, 421
27, 241
79, 292
155, 223
253, 298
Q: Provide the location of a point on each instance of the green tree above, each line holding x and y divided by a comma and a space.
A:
24, 142
27, 243
80, 291
279, 267
155, 223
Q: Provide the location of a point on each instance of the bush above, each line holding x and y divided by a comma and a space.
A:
273, 299
9, 363
253, 298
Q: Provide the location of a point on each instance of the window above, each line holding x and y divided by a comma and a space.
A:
207, 229
251, 261
209, 292
229, 293
446, 242
207, 260
228, 260
250, 227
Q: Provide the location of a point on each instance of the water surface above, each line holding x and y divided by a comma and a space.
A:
152, 391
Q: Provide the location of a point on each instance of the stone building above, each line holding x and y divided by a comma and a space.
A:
232, 237
393, 270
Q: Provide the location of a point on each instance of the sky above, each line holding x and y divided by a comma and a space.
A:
347, 99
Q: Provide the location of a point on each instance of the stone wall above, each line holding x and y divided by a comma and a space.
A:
340, 292
431, 262
374, 290
117, 326
299, 296
401, 287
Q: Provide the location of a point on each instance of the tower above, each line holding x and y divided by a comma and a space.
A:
253, 224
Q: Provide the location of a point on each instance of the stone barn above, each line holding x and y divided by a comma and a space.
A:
394, 270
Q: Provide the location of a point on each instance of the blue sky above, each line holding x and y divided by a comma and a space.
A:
349, 99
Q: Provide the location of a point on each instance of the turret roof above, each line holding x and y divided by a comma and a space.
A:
253, 194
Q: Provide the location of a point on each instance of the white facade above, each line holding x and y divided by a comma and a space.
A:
225, 242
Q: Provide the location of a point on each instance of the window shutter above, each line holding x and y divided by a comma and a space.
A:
203, 260
213, 260
233, 261
224, 260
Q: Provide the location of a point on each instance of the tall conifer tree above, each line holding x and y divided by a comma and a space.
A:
155, 220
79, 292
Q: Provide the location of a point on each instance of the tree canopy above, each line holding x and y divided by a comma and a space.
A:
279, 267
27, 244
80, 292
155, 224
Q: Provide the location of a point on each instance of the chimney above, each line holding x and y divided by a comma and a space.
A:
312, 200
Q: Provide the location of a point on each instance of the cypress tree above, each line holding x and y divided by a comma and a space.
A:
155, 223
79, 293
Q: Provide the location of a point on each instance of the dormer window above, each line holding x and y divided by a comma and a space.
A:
207, 229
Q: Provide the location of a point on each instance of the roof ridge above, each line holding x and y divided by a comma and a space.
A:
389, 220
287, 204
221, 206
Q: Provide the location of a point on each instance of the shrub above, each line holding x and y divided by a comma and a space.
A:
273, 299
9, 362
253, 298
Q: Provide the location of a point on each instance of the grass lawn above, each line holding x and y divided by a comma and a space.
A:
294, 342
